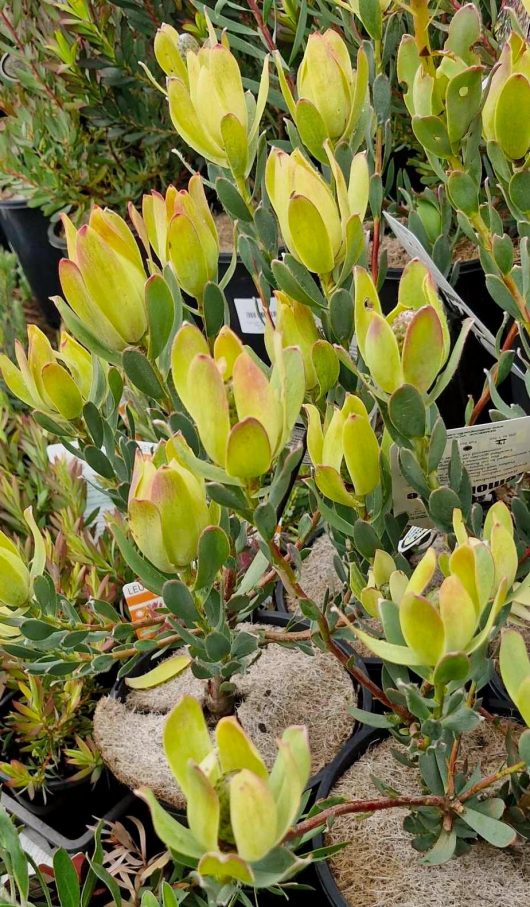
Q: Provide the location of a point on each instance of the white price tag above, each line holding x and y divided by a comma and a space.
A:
251, 314
492, 454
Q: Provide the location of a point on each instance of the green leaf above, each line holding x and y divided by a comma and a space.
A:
443, 380
443, 850
412, 472
341, 315
371, 17
494, 832
407, 411
94, 423
453, 666
36, 630
295, 280
372, 719
463, 98
107, 880
214, 549
265, 520
217, 646
214, 308
366, 539
520, 190
151, 578
13, 855
231, 497
231, 200
502, 296
463, 192
179, 600
442, 502
142, 374
66, 879
160, 314
432, 134
436, 444
524, 746
99, 462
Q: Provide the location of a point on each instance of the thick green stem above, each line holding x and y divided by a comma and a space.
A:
420, 14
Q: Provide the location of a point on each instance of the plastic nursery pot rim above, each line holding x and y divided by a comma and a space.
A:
120, 690
351, 752
13, 203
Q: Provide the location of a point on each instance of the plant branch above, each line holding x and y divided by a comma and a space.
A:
486, 395
362, 806
286, 573
270, 43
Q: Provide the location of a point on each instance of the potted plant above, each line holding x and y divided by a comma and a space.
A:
77, 126
164, 367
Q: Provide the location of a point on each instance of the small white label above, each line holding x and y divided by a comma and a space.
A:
251, 314
492, 454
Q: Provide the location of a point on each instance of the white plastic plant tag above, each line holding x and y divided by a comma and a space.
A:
416, 537
142, 605
492, 454
251, 314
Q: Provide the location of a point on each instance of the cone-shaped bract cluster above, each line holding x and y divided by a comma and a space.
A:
179, 228
213, 387
346, 439
237, 811
167, 511
455, 619
411, 344
103, 279
209, 108
315, 222
55, 382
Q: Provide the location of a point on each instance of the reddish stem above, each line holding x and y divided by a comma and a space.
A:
266, 34
361, 806
486, 395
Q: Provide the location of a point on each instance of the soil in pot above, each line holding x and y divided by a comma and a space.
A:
283, 687
379, 867
318, 574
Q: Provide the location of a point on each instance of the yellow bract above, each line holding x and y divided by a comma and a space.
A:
237, 811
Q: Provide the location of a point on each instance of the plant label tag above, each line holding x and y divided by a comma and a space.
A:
416, 537
142, 605
493, 455
251, 314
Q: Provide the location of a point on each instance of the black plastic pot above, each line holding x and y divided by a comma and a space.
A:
68, 826
30, 234
350, 754
274, 619
241, 293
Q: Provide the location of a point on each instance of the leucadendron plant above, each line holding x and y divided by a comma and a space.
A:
192, 438
238, 813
